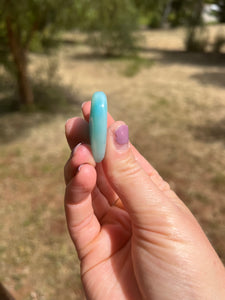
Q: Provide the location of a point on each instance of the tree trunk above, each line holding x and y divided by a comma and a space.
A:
222, 11
20, 59
198, 13
166, 13
25, 91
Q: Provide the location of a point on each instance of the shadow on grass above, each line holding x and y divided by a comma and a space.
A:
130, 64
51, 100
166, 57
49, 45
97, 56
183, 57
211, 78
134, 63
211, 132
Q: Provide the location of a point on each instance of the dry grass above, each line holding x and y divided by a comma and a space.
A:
174, 104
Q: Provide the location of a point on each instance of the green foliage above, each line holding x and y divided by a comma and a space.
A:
135, 64
33, 25
221, 12
30, 17
27, 25
153, 10
180, 12
111, 24
175, 12
155, 19
35, 22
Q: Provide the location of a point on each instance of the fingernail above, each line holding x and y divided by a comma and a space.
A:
83, 104
79, 168
68, 126
122, 137
74, 150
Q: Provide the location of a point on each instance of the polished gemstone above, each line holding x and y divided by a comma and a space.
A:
98, 125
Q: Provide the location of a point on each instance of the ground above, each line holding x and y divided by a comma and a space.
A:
174, 105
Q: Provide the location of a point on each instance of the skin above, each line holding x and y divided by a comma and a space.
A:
147, 244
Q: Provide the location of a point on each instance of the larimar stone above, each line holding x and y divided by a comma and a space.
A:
98, 125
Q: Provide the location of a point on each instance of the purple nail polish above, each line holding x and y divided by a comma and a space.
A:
122, 135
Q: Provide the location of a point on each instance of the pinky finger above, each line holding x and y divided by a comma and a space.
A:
82, 223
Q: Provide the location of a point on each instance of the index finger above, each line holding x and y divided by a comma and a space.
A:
77, 131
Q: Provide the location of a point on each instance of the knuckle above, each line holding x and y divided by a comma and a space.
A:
161, 184
128, 168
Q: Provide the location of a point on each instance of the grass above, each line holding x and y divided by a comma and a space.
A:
134, 65
175, 119
218, 181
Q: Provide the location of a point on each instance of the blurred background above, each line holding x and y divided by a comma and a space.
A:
162, 66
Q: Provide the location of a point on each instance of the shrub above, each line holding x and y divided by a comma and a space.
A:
112, 24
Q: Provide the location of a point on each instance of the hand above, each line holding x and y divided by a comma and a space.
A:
134, 237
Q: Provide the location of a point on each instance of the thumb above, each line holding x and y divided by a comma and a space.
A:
140, 196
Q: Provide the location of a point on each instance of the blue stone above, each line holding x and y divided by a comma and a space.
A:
98, 125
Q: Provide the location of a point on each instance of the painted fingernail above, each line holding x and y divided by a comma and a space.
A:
122, 137
74, 150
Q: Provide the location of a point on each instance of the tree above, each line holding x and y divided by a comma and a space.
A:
111, 24
221, 11
20, 22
